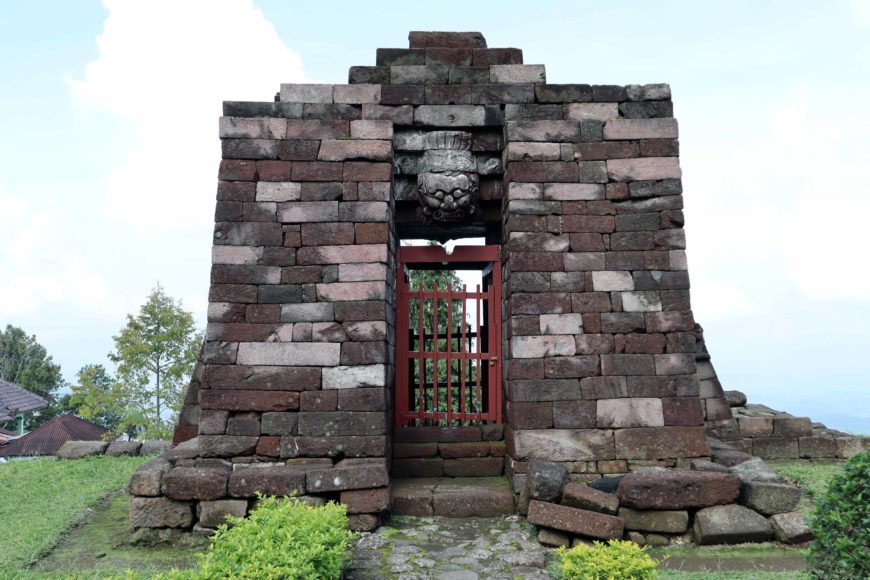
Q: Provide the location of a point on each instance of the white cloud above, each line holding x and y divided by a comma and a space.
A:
165, 66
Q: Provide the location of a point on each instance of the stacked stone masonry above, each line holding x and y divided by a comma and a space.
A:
581, 186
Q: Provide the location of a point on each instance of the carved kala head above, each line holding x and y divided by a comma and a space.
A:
447, 184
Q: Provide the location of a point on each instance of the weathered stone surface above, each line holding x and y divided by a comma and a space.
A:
770, 498
792, 427
352, 377
623, 129
80, 449
211, 514
588, 498
330, 424
366, 500
563, 444
735, 398
147, 479
289, 354
730, 524
754, 470
474, 467
554, 538
776, 448
195, 483
359, 477
639, 412
646, 168
575, 521
226, 445
123, 448
276, 480
160, 512
813, 447
791, 528
153, 447
490, 498
666, 522
677, 489
517, 73
661, 442
546, 479
542, 346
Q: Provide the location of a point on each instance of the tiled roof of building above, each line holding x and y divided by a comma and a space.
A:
15, 400
48, 438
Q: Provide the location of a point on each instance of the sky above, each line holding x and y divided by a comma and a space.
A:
109, 155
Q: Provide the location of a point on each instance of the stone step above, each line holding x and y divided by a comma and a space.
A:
458, 497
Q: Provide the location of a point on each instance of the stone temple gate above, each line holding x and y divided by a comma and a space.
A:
575, 190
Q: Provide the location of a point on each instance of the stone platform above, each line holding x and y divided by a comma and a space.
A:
460, 497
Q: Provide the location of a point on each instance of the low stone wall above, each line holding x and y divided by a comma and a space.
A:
708, 504
181, 489
80, 449
476, 451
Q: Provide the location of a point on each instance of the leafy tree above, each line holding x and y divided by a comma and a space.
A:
155, 353
26, 363
98, 397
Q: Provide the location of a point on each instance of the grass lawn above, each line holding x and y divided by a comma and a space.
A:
42, 499
813, 477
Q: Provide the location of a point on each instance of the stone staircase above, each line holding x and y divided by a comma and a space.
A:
457, 497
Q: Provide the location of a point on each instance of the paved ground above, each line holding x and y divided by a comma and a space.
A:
452, 549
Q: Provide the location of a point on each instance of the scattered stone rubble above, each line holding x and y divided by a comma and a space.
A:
80, 449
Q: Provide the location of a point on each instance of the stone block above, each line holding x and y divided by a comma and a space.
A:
583, 497
608, 93
680, 363
573, 191
730, 524
661, 443
792, 427
755, 426
575, 521
341, 479
211, 514
608, 281
677, 489
123, 448
660, 521
645, 168
361, 400
776, 448
619, 413
306, 93
650, 92
813, 447
308, 211
644, 301
289, 354
186, 483
81, 449
350, 291
366, 500
646, 110
474, 467
770, 498
450, 115
341, 423
682, 411
553, 538
356, 148
244, 128
542, 346
160, 512
248, 148
791, 528
573, 414
352, 377
357, 93
592, 111
539, 171
226, 445
533, 152
545, 480
530, 415
544, 390
627, 364
561, 324
247, 400
147, 479
562, 444
625, 129
517, 73
546, 131
277, 480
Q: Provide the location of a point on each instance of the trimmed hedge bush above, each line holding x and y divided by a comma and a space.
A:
616, 559
841, 524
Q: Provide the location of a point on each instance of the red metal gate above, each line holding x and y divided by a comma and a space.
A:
447, 359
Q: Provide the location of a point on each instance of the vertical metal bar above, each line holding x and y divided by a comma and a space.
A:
495, 349
449, 354
435, 354
421, 361
479, 357
462, 360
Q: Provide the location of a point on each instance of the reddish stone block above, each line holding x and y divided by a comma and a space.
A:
530, 415
587, 498
185, 483
685, 411
366, 501
661, 442
273, 170
525, 369
418, 467
269, 446
240, 191
317, 171
298, 149
484, 57
418, 39
677, 489
574, 414
458, 450
365, 171
327, 234
448, 56
575, 521
275, 480
318, 401
315, 129
237, 170
437, 434
535, 262
414, 450
672, 321
234, 400
402, 95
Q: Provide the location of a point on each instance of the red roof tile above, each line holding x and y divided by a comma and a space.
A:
48, 438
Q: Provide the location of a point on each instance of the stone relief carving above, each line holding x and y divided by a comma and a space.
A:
447, 184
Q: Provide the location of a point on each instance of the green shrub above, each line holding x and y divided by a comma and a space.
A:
841, 524
282, 538
615, 560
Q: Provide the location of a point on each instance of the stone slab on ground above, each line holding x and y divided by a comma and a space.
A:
668, 522
791, 528
730, 524
575, 521
588, 498
677, 489
459, 497
435, 547
770, 498
80, 449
